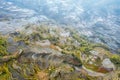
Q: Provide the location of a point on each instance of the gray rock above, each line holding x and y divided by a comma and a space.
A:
108, 64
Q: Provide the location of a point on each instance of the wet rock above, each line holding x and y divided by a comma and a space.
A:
12, 49
72, 60
21, 43
92, 73
9, 57
15, 34
10, 40
43, 64
43, 43
26, 57
12, 45
39, 55
17, 76
107, 64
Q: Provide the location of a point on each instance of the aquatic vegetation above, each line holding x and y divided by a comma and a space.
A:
4, 72
3, 46
116, 60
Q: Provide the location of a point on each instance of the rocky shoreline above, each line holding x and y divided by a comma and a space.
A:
47, 52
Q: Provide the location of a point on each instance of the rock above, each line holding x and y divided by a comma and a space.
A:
42, 76
94, 53
38, 55
9, 57
92, 73
72, 60
16, 75
20, 51
15, 66
12, 45
21, 43
63, 69
43, 43
15, 34
64, 34
10, 40
12, 49
58, 48
108, 64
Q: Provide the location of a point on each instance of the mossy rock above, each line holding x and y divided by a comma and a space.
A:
3, 46
4, 72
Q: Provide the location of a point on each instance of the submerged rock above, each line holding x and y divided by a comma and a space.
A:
16, 33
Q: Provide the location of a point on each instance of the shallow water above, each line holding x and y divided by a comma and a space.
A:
93, 23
